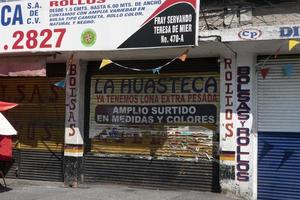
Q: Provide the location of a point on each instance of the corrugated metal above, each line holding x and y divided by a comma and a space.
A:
39, 119
156, 155
163, 174
155, 139
13, 168
41, 165
279, 97
197, 145
278, 165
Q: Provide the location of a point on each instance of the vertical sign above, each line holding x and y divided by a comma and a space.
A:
244, 123
228, 114
73, 137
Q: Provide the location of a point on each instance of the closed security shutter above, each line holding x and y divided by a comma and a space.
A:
161, 174
154, 130
39, 120
279, 130
278, 165
279, 97
143, 120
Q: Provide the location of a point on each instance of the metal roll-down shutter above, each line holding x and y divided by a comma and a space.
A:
39, 120
279, 130
160, 147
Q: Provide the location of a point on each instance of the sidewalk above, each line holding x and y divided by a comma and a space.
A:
36, 190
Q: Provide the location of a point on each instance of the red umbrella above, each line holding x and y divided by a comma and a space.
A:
6, 131
6, 105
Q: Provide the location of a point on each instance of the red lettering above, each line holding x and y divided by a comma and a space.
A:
20, 90
3, 89
229, 128
227, 62
55, 96
228, 101
100, 99
72, 81
72, 69
48, 134
228, 88
31, 131
36, 91
56, 3
53, 3
228, 114
228, 76
72, 127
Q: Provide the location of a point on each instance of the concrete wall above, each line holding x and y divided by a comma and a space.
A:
240, 13
237, 135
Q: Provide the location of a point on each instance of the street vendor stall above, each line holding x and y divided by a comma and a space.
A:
6, 132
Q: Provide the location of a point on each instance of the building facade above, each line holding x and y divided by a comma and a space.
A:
225, 119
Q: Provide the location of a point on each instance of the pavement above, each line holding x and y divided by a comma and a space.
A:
18, 189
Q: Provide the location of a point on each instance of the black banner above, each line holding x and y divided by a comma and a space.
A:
154, 114
175, 26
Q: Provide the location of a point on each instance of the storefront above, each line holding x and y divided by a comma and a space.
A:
71, 30
278, 97
158, 130
39, 120
131, 110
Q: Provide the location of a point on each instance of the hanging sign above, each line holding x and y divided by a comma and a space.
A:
67, 25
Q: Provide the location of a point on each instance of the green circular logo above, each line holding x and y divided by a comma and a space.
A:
88, 37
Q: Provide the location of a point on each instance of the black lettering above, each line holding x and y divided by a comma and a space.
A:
97, 87
109, 84
194, 85
150, 86
72, 105
244, 96
55, 96
184, 83
20, 90
36, 91
126, 84
242, 176
228, 88
211, 84
136, 83
161, 86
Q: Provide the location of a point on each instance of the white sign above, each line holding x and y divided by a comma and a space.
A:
68, 25
255, 33
72, 130
228, 114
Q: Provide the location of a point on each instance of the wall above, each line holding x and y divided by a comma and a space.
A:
237, 136
217, 15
